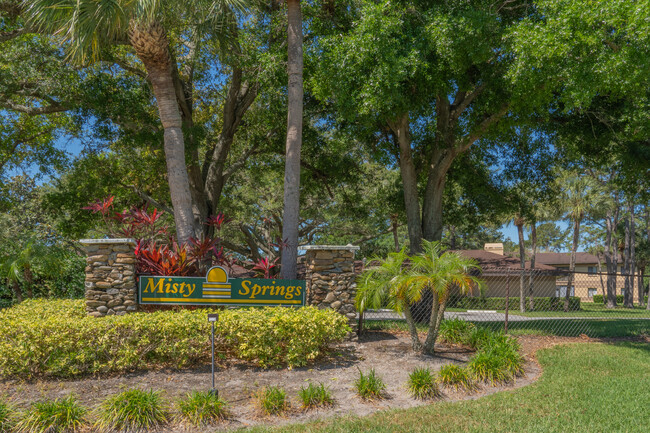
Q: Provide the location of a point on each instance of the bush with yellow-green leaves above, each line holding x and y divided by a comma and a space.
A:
55, 338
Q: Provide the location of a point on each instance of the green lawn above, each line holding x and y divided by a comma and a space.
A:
594, 328
584, 388
588, 309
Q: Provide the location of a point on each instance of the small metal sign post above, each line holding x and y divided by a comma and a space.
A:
212, 318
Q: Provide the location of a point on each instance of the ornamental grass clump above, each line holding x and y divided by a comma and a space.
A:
7, 417
479, 337
272, 400
455, 331
458, 377
370, 386
313, 396
489, 367
422, 384
202, 408
132, 410
53, 416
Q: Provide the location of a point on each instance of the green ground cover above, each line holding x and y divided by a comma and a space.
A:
588, 309
580, 382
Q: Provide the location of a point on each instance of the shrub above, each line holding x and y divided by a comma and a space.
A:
315, 396
479, 337
458, 377
66, 342
495, 303
132, 409
272, 400
455, 331
7, 417
202, 407
55, 416
598, 299
370, 386
422, 384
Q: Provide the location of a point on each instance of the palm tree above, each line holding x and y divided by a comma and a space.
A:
89, 27
291, 215
400, 281
579, 196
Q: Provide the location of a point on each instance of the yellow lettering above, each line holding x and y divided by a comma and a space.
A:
279, 291
265, 288
289, 294
298, 291
256, 291
191, 288
151, 287
245, 284
175, 288
168, 287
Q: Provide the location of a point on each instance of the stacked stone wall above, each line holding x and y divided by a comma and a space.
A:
331, 280
110, 277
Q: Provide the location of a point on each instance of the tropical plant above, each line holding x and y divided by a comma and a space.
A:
399, 281
313, 396
455, 376
422, 384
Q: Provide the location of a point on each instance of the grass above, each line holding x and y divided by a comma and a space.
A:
313, 396
54, 416
587, 310
370, 386
595, 328
202, 408
457, 377
272, 400
132, 410
422, 384
455, 331
578, 383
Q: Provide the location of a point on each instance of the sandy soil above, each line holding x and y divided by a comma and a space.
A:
388, 353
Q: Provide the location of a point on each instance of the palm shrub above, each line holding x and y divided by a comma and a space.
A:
55, 416
202, 407
132, 410
422, 384
400, 281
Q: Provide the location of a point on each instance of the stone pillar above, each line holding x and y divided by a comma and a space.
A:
331, 280
110, 277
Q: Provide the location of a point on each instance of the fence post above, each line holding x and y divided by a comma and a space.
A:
331, 280
507, 299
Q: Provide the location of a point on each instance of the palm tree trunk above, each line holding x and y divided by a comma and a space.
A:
152, 47
437, 314
519, 222
17, 292
533, 239
415, 339
291, 215
572, 263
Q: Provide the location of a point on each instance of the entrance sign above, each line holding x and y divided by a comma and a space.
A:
217, 289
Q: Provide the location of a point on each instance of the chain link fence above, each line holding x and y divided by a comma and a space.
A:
535, 302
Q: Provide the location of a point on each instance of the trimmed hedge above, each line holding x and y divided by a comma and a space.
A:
598, 299
493, 303
56, 338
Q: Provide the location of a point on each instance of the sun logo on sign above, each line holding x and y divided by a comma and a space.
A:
217, 285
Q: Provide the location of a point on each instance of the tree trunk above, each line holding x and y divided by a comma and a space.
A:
572, 262
533, 238
29, 280
519, 222
401, 131
611, 257
437, 315
17, 292
291, 216
415, 338
152, 47
394, 224
434, 194
600, 274
628, 298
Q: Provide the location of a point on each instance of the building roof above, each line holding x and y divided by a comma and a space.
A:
582, 258
489, 260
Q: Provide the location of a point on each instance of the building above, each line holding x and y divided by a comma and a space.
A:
587, 281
